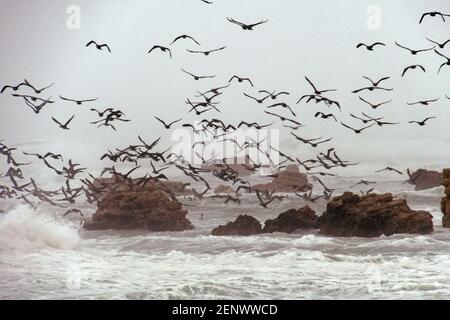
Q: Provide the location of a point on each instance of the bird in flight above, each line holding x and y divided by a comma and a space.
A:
65, 125
167, 125
412, 67
163, 49
98, 46
316, 91
423, 102
445, 63
247, 26
440, 45
325, 116
433, 14
78, 102
413, 52
38, 91
358, 131
423, 122
197, 77
369, 47
207, 52
240, 80
184, 36
389, 169
374, 105
273, 95
284, 118
260, 101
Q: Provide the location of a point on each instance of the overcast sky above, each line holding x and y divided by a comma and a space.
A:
313, 38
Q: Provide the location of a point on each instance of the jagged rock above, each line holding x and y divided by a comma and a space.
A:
445, 202
223, 189
372, 216
292, 220
288, 180
425, 179
148, 209
244, 225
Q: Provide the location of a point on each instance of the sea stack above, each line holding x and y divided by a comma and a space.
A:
445, 203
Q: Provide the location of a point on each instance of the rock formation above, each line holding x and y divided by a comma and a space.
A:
445, 203
425, 179
148, 209
244, 225
372, 216
292, 220
288, 180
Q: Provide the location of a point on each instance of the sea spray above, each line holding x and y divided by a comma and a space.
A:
24, 228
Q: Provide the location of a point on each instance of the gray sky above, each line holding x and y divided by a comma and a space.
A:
313, 38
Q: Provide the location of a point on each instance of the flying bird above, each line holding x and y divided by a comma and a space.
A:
413, 52
325, 116
240, 80
422, 102
247, 26
445, 63
207, 52
370, 47
163, 49
184, 36
412, 67
316, 91
357, 131
197, 77
375, 105
65, 125
389, 169
167, 126
433, 14
440, 45
98, 46
423, 122
78, 102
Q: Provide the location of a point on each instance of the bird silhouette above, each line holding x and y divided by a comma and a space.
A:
240, 80
369, 47
247, 26
358, 131
163, 49
66, 124
98, 46
167, 125
184, 36
423, 122
412, 67
207, 52
78, 102
197, 77
375, 105
413, 52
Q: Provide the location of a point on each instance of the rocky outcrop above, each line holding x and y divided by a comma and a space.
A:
148, 209
224, 189
445, 203
288, 180
292, 220
244, 225
372, 216
425, 179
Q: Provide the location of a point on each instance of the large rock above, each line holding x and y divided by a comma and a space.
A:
445, 203
372, 216
288, 180
425, 179
244, 225
292, 220
148, 209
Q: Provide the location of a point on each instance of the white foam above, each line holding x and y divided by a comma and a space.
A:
23, 228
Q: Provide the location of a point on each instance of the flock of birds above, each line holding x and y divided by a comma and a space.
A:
202, 103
